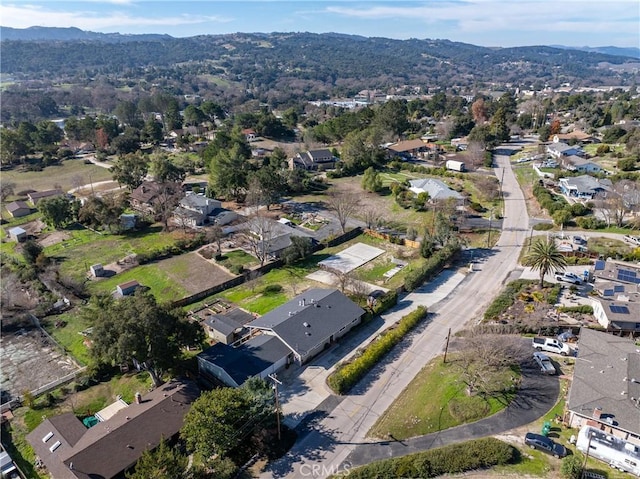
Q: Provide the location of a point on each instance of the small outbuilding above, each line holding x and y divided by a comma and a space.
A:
18, 209
128, 288
97, 270
18, 234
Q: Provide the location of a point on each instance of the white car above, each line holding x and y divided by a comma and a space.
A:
568, 278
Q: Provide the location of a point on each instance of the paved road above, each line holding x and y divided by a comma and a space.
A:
328, 441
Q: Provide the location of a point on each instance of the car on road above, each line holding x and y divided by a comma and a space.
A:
544, 444
544, 361
568, 278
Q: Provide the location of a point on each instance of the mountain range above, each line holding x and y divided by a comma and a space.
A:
36, 33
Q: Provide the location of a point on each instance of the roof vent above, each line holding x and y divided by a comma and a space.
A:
307, 333
306, 325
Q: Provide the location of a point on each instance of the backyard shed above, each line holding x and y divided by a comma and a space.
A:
18, 234
127, 288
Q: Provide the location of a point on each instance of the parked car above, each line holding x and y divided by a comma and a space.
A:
544, 444
568, 278
544, 361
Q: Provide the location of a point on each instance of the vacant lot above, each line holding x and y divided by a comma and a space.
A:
69, 174
193, 272
30, 361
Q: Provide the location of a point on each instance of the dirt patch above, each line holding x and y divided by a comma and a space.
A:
29, 361
193, 272
54, 237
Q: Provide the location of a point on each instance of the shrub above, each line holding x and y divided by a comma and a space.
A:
452, 459
571, 467
272, 289
477, 207
582, 309
237, 269
505, 299
347, 375
431, 267
590, 223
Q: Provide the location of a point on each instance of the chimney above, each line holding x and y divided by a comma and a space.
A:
597, 412
302, 302
138, 397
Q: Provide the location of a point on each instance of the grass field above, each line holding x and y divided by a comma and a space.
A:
66, 175
436, 400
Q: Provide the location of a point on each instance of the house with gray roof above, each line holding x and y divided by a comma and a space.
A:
605, 391
577, 163
560, 149
313, 160
617, 304
311, 321
436, 189
232, 366
226, 327
584, 186
36, 196
70, 450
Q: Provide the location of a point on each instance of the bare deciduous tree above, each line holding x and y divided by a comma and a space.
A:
483, 358
260, 235
616, 204
6, 189
344, 205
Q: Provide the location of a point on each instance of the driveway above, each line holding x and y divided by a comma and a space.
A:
537, 395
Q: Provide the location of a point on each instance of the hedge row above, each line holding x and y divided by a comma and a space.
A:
348, 374
452, 459
505, 299
583, 309
431, 267
548, 200
383, 303
179, 247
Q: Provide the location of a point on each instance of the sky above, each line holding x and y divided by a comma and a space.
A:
502, 23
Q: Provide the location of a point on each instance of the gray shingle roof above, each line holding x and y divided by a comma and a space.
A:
247, 360
437, 189
310, 319
603, 363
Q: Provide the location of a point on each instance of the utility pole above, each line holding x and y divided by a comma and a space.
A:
489, 236
276, 382
446, 347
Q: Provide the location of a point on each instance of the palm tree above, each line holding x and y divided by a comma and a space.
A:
544, 257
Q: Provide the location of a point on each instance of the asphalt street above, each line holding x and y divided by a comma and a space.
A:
325, 447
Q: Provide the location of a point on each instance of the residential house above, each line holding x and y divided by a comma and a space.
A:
583, 165
585, 186
226, 327
617, 306
18, 234
560, 149
313, 160
40, 195
146, 197
274, 236
259, 356
18, 209
605, 391
70, 450
576, 135
250, 134
408, 149
436, 189
310, 322
196, 210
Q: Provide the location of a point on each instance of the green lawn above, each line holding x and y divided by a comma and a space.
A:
235, 258
69, 335
163, 287
436, 400
86, 248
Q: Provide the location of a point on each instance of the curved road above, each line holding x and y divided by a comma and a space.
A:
325, 446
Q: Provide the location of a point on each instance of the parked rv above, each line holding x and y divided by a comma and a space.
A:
618, 453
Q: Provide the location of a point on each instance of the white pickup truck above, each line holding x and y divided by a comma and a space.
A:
551, 345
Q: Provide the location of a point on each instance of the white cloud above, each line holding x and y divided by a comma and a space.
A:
23, 16
491, 15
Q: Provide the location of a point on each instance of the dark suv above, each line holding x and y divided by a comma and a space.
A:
544, 444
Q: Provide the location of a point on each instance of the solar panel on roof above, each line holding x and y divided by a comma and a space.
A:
607, 292
599, 265
619, 309
618, 288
